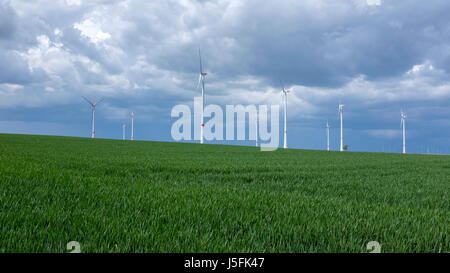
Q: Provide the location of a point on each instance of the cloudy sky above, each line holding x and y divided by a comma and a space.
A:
376, 56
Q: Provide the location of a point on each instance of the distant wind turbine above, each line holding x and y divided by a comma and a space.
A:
284, 93
132, 126
341, 110
123, 130
257, 119
201, 82
93, 105
328, 136
403, 125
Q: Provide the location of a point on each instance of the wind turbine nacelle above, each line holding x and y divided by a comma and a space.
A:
204, 74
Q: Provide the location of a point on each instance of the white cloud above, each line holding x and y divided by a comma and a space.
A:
48, 56
73, 2
420, 68
92, 30
49, 89
7, 88
373, 2
57, 32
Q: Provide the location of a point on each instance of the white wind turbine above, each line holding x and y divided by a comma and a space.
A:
93, 105
257, 120
201, 82
328, 136
132, 126
341, 110
284, 93
123, 131
403, 125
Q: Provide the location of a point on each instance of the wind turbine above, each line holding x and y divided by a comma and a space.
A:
341, 110
132, 126
328, 136
123, 131
257, 119
201, 82
284, 93
403, 125
93, 105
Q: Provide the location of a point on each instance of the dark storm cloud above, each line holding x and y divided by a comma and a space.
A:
313, 43
299, 43
327, 47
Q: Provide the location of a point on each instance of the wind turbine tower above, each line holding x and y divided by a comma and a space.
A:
257, 120
403, 125
93, 105
201, 82
328, 136
284, 93
132, 126
341, 110
123, 130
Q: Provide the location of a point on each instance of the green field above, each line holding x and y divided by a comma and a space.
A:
123, 196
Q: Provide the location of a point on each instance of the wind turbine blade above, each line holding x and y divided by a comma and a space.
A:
87, 100
200, 57
100, 101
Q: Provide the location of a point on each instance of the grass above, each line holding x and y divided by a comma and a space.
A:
122, 196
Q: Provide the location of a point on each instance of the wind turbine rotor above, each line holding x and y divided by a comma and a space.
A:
88, 100
200, 58
102, 99
93, 114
